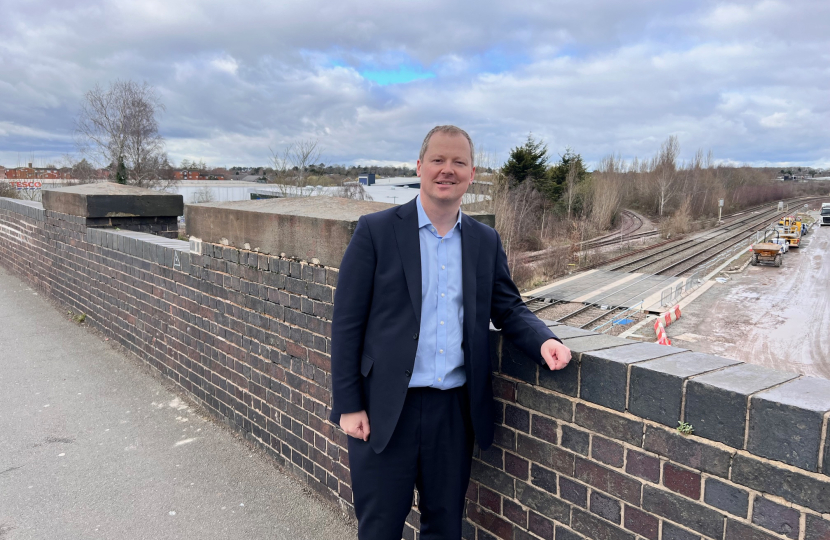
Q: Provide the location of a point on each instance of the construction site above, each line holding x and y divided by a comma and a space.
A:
755, 286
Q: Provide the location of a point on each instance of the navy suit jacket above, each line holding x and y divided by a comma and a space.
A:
377, 313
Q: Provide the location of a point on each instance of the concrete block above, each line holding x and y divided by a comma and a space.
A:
308, 228
791, 485
726, 497
605, 372
716, 403
484, 217
579, 345
515, 363
565, 380
656, 387
785, 423
107, 200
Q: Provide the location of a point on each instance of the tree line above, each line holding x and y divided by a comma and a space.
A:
543, 203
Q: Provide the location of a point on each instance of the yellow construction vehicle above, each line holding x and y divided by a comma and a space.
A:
790, 229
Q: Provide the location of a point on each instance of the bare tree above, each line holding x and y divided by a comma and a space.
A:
117, 128
665, 170
295, 160
8, 191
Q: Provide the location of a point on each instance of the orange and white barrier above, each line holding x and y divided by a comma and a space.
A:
663, 321
660, 330
671, 315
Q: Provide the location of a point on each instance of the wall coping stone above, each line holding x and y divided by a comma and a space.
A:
306, 228
717, 402
657, 386
108, 200
797, 409
605, 373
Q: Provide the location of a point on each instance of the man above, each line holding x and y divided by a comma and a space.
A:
418, 287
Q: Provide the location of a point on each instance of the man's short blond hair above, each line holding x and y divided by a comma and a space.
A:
449, 130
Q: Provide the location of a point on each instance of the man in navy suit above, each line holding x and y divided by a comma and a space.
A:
418, 287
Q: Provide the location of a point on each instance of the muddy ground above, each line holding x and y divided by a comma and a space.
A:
776, 317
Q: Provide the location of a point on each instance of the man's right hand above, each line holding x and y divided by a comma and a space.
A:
355, 425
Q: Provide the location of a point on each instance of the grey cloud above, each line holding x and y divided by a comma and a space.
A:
604, 76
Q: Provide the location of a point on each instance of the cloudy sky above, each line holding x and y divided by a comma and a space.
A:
749, 80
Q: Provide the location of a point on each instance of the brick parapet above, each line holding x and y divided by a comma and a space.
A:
587, 452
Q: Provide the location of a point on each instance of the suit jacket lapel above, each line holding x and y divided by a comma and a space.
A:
469, 260
409, 247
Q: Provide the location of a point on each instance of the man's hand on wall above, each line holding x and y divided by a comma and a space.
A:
356, 424
555, 355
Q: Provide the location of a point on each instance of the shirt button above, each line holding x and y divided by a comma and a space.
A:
442, 295
442, 322
443, 267
441, 351
439, 379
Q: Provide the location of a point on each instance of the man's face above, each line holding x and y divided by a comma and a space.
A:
447, 170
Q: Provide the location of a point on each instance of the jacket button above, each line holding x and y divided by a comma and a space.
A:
415, 336
407, 373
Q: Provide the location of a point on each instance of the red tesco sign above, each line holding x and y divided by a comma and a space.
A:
27, 185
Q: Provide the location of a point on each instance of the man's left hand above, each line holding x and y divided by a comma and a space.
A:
555, 355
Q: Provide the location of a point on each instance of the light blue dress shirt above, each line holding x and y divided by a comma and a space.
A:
439, 361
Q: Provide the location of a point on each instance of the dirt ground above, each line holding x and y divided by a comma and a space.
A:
776, 317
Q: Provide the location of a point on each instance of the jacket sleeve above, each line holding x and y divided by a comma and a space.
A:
510, 314
352, 302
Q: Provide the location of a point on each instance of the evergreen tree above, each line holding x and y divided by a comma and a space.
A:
562, 179
528, 161
121, 172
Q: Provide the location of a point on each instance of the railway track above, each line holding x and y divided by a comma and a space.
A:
685, 256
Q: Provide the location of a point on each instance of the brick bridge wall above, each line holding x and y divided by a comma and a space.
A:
588, 452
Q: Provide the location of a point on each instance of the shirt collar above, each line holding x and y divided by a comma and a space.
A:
423, 218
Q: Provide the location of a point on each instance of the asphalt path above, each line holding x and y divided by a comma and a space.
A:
93, 446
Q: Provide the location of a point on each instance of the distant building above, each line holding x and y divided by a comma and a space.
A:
36, 173
367, 179
195, 174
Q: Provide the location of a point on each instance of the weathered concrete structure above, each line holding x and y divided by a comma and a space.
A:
590, 451
118, 206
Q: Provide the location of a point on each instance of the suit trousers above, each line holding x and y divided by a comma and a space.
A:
431, 449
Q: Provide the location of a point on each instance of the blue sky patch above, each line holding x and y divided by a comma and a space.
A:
403, 74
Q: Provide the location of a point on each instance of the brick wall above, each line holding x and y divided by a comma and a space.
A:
588, 452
